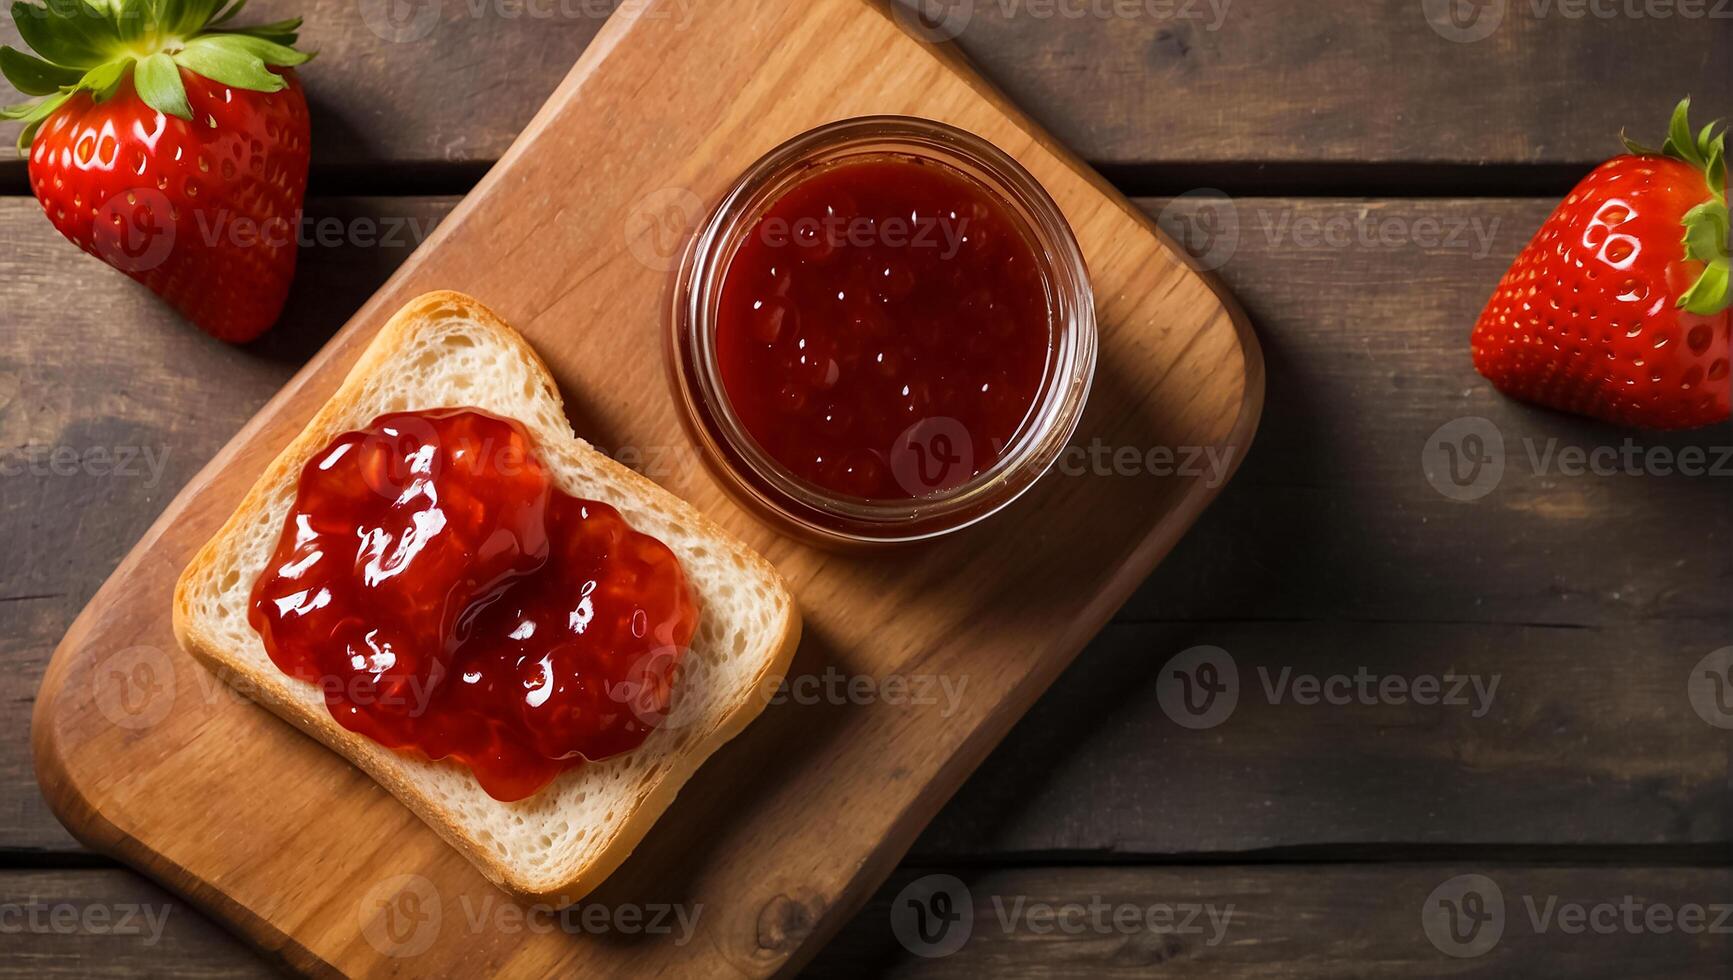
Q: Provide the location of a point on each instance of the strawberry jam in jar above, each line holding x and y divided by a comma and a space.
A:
884, 332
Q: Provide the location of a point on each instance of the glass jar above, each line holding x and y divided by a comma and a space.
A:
827, 516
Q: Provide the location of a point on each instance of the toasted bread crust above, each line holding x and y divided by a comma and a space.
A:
391, 769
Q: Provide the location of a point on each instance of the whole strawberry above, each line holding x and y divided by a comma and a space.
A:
170, 147
1618, 309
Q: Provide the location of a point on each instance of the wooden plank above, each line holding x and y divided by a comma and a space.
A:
1127, 83
1367, 344
1294, 81
433, 85
1268, 921
542, 240
1366, 307
1320, 920
1357, 738
103, 923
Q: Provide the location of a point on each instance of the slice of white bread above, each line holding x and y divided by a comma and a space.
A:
443, 350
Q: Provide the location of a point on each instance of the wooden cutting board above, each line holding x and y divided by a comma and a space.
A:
791, 827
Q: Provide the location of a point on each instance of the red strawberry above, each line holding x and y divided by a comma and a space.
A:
171, 148
1618, 308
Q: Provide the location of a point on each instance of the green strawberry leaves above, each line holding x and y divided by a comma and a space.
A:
238, 60
33, 76
1706, 236
229, 14
32, 115
282, 32
69, 34
92, 45
1711, 292
159, 84
1706, 225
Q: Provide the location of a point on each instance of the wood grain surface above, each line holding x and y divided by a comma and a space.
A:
1246, 922
1590, 761
838, 793
1317, 91
1241, 579
1326, 920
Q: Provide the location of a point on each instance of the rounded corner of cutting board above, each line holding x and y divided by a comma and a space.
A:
1251, 364
56, 772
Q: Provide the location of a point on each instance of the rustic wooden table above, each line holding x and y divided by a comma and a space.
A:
1501, 675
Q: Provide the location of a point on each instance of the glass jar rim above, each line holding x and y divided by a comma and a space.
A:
766, 482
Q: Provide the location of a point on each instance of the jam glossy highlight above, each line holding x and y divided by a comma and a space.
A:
451, 601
